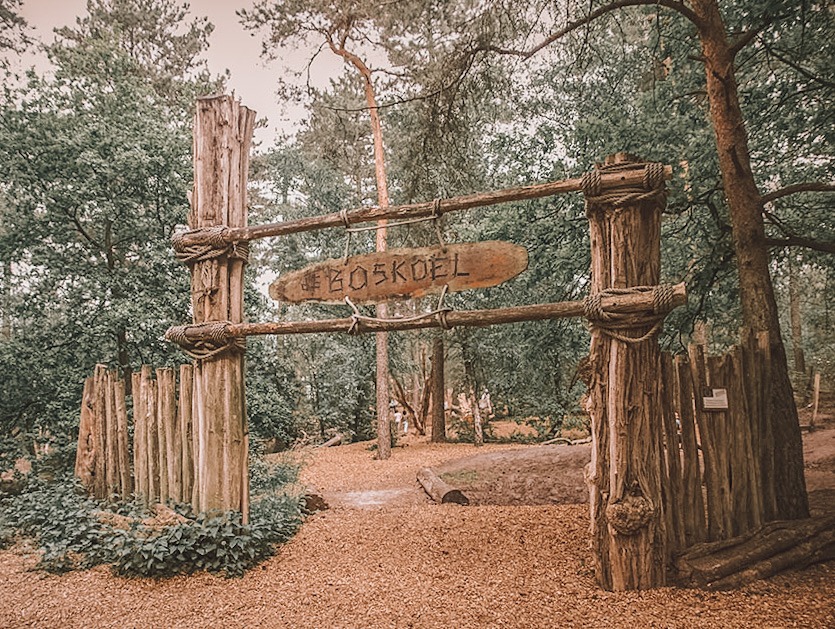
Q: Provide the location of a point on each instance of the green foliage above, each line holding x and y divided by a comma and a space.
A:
74, 531
64, 523
95, 172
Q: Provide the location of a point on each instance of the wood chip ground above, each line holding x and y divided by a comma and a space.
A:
383, 556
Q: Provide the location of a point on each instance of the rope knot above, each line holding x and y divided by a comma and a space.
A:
211, 243
615, 324
205, 340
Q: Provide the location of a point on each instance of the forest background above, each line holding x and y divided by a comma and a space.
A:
95, 169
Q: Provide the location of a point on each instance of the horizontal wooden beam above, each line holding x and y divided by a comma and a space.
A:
608, 181
624, 304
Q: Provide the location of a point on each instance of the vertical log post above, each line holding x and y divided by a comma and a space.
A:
140, 439
99, 391
628, 533
222, 138
149, 391
694, 523
123, 449
85, 455
185, 427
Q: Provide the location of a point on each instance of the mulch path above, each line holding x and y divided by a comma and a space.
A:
408, 564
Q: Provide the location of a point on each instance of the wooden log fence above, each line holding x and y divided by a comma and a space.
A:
102, 459
712, 439
160, 465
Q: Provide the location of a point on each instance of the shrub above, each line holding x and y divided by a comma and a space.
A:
74, 531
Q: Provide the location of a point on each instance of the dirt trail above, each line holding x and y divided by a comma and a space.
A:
400, 561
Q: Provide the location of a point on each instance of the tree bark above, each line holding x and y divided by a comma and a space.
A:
796, 319
381, 339
437, 395
756, 291
222, 138
439, 490
627, 521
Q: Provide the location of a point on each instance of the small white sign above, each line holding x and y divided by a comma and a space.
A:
716, 401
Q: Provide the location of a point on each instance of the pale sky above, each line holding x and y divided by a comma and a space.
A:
253, 80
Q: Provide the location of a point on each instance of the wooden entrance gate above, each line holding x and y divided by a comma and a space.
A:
626, 309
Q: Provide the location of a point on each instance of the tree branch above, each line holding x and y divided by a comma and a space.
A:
808, 186
799, 241
675, 5
799, 69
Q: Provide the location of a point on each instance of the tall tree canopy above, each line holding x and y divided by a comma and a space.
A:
96, 167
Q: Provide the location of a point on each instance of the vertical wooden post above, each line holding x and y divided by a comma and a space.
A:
149, 391
628, 535
672, 481
111, 435
694, 523
170, 455
99, 391
184, 406
85, 455
125, 479
163, 407
140, 439
222, 137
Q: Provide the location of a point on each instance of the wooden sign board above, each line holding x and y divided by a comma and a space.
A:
375, 277
717, 400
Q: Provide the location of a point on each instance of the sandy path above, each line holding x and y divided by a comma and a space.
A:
411, 565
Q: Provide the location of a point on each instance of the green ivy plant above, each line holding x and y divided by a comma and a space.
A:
77, 532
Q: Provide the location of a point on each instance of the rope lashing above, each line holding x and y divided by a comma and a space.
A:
611, 324
213, 245
214, 339
436, 216
439, 313
652, 186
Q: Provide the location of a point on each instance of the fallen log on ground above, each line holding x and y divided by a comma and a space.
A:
334, 441
566, 442
775, 547
439, 490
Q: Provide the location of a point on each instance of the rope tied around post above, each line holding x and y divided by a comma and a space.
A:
439, 313
213, 245
213, 339
652, 185
612, 324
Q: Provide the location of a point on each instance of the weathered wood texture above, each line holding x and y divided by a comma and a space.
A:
159, 466
374, 277
222, 138
439, 490
85, 454
718, 448
419, 210
634, 303
779, 545
628, 532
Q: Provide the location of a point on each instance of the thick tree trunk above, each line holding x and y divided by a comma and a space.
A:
759, 306
437, 395
627, 522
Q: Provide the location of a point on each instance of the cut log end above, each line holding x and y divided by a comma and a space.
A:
774, 548
439, 490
